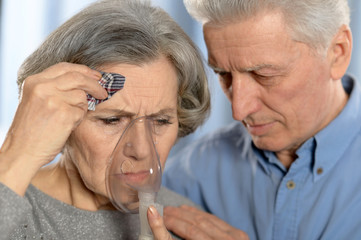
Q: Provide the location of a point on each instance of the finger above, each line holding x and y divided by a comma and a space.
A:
157, 225
64, 67
75, 80
215, 220
45, 94
75, 98
214, 226
67, 76
183, 224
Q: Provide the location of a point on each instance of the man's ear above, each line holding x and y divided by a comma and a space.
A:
339, 52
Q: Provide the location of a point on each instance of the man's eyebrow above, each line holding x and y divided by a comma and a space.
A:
248, 69
259, 67
216, 69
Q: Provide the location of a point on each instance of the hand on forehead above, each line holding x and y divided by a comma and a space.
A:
150, 88
112, 83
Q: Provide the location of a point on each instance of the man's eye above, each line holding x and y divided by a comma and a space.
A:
266, 80
225, 80
260, 76
221, 73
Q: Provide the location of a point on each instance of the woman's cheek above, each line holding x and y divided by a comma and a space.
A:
164, 148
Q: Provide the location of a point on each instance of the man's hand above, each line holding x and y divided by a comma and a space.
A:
191, 223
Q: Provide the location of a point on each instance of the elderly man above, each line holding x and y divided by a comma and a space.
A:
290, 168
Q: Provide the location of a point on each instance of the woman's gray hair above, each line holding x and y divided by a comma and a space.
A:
314, 22
132, 32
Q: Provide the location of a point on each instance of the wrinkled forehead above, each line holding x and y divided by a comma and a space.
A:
147, 88
143, 100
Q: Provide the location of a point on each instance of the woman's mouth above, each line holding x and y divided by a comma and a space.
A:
135, 177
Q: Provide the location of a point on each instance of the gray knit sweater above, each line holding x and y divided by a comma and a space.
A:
39, 216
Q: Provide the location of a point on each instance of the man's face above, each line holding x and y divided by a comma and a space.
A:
279, 88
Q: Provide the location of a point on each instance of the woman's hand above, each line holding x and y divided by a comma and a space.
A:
191, 223
52, 105
156, 223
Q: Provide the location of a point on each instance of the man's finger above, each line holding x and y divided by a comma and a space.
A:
191, 223
183, 224
215, 220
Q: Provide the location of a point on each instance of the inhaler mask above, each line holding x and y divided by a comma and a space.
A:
134, 172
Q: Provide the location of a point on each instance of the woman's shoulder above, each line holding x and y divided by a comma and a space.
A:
56, 218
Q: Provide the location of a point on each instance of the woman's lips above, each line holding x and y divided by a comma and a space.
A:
259, 129
136, 177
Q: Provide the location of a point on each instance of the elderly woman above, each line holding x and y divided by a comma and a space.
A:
165, 80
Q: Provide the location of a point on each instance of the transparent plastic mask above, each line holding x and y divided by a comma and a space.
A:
134, 167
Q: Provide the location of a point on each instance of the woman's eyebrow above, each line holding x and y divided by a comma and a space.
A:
117, 112
164, 111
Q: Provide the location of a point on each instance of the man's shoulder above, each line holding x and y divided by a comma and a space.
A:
222, 143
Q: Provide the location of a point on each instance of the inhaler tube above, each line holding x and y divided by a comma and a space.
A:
145, 201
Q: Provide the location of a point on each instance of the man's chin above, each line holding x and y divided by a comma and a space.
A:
268, 143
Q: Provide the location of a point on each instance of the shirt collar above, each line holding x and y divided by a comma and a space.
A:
333, 140
265, 158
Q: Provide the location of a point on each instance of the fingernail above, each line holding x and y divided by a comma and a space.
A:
153, 212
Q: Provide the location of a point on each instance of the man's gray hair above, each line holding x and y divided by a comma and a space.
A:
313, 22
132, 32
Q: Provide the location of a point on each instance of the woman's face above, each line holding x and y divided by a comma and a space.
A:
150, 90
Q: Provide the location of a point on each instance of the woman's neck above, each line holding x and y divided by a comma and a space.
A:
62, 181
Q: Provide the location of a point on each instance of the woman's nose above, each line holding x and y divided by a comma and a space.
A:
138, 141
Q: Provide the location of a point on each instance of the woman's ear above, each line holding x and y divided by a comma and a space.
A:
339, 52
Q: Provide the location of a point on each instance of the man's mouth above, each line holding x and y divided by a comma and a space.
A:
259, 129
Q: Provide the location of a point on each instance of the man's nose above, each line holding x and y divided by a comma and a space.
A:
245, 97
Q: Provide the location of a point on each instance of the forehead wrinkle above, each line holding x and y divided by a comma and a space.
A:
135, 105
145, 104
229, 42
146, 95
241, 64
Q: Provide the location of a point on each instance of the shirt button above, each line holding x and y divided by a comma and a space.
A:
290, 184
319, 170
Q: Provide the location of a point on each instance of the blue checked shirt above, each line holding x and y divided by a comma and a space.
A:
319, 197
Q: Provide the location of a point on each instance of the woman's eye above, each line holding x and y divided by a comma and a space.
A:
162, 121
110, 121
